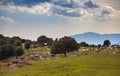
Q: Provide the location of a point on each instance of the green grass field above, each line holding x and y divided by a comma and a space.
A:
85, 65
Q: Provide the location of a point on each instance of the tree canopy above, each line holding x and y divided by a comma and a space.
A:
84, 44
27, 45
106, 43
6, 51
42, 40
64, 45
19, 51
10, 46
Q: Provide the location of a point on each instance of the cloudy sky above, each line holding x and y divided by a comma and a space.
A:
56, 18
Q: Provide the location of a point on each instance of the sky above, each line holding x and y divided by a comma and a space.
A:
30, 19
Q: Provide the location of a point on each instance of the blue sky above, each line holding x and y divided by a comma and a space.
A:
56, 18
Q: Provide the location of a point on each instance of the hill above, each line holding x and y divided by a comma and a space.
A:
96, 38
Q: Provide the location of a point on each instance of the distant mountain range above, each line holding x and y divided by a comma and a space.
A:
96, 38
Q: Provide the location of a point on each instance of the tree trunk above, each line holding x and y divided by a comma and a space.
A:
65, 54
93, 47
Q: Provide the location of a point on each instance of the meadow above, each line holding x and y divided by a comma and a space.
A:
75, 64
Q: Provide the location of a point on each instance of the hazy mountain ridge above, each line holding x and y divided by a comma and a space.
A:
96, 38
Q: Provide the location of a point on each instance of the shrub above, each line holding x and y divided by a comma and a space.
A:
27, 45
19, 51
6, 51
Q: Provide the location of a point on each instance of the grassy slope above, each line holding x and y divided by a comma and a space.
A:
85, 65
70, 66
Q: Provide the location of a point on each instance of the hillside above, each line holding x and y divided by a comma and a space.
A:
96, 38
80, 63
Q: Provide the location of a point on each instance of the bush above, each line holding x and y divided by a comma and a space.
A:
27, 45
19, 51
6, 51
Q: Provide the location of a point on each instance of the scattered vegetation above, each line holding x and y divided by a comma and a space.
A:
62, 57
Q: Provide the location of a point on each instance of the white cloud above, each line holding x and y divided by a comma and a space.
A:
7, 8
6, 19
42, 8
106, 13
76, 9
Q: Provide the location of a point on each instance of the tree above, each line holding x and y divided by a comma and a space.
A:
23, 40
6, 51
84, 44
18, 52
27, 45
2, 41
106, 43
56, 39
99, 45
14, 39
8, 45
1, 36
42, 40
64, 45
18, 43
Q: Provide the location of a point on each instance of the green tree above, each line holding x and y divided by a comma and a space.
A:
18, 52
2, 41
99, 45
42, 40
18, 43
56, 39
106, 43
27, 45
64, 45
1, 36
84, 44
14, 40
6, 51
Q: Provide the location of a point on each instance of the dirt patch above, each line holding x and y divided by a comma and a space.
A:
18, 63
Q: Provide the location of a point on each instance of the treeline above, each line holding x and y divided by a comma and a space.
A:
106, 43
15, 46
10, 47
